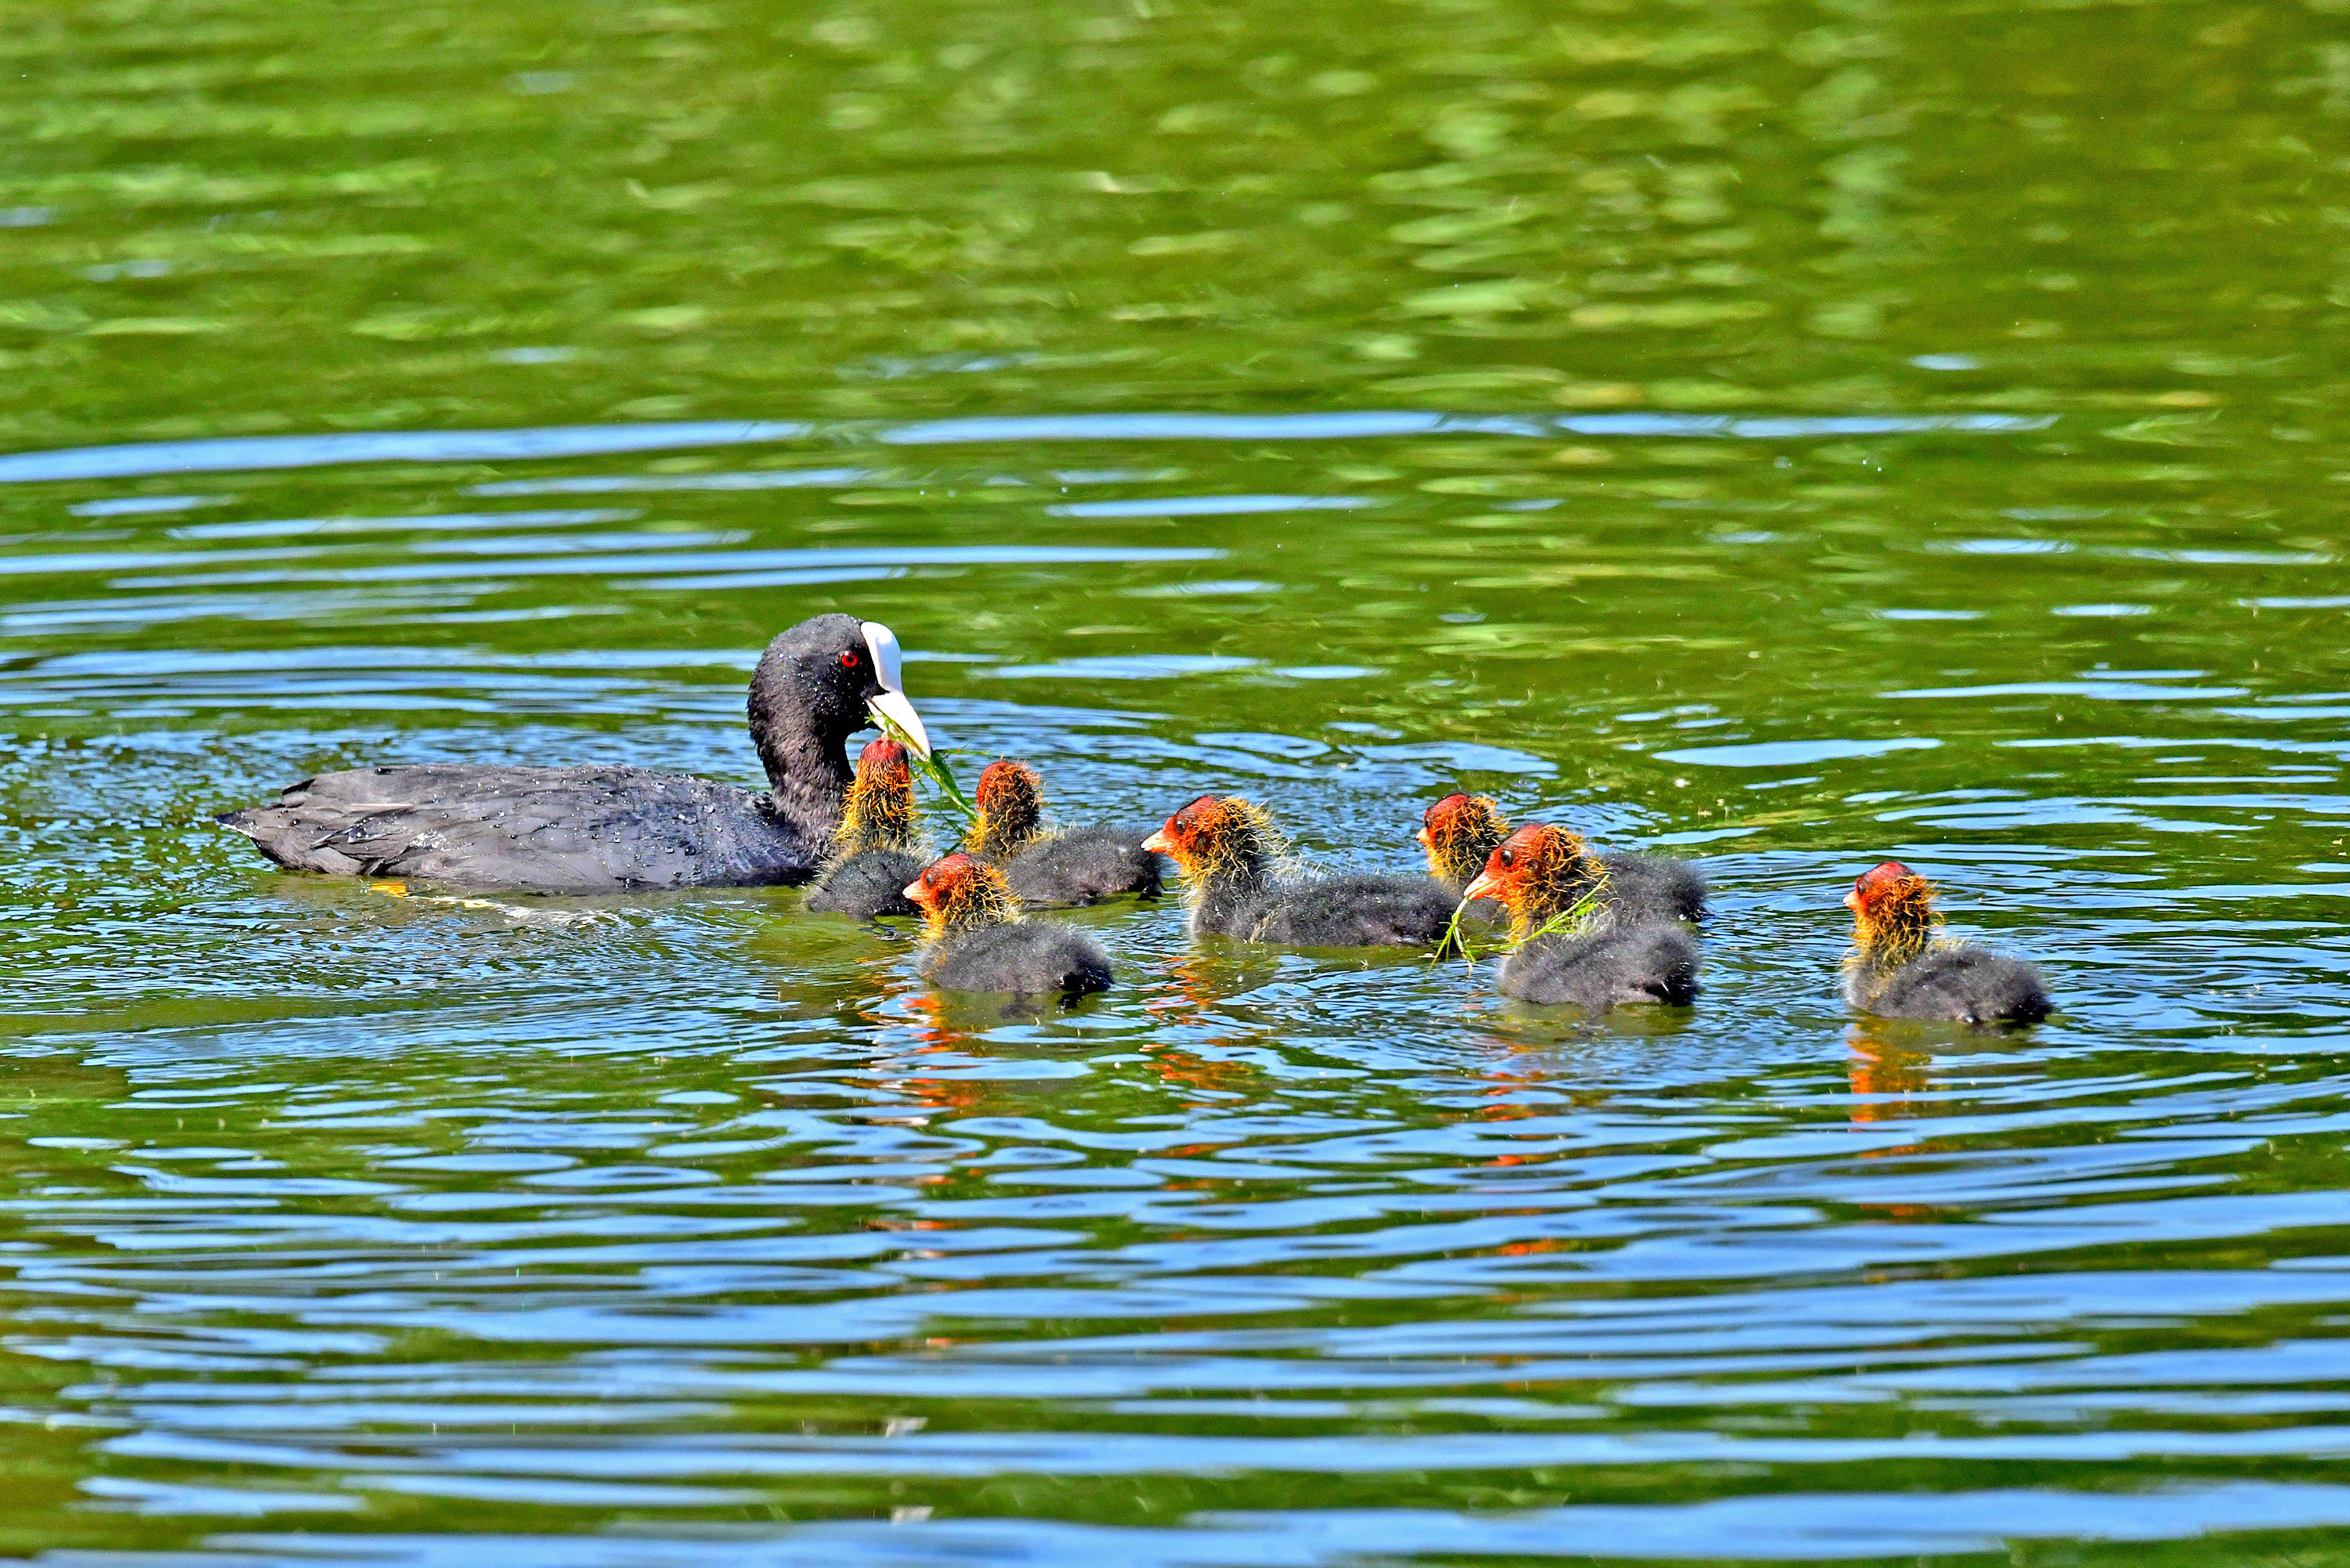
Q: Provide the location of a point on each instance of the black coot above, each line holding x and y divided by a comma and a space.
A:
978, 941
1047, 870
1896, 969
613, 829
1233, 859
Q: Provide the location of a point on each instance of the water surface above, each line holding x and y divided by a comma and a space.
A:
1786, 435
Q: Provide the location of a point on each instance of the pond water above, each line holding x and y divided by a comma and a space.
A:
1788, 435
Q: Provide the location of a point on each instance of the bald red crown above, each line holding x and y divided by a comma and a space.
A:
1444, 810
1006, 777
941, 878
1882, 875
1508, 851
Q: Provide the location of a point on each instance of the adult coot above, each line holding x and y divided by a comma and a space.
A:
1609, 956
1241, 886
879, 843
1896, 969
1046, 869
610, 829
977, 940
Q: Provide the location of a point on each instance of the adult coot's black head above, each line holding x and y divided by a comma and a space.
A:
817, 685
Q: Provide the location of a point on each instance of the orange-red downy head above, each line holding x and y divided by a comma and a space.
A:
961, 893
1537, 873
877, 812
1216, 833
1459, 834
1893, 914
1010, 800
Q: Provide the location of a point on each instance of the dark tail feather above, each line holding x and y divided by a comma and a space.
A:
276, 835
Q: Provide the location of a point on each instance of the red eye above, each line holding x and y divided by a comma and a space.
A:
849, 658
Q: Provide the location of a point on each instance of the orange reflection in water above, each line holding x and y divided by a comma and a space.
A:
1880, 1067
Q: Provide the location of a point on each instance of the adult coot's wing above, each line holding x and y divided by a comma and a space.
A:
546, 830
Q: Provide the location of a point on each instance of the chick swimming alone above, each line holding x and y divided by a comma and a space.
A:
1898, 970
976, 939
1239, 884
1574, 942
614, 829
878, 847
1047, 870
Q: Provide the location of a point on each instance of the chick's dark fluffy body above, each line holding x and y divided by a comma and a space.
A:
1350, 911
1026, 957
1083, 865
1951, 982
1619, 965
869, 886
1654, 887
1354, 910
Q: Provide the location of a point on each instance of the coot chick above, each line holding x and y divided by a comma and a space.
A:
1460, 831
1896, 969
1232, 855
1618, 955
613, 829
1081, 866
978, 941
877, 850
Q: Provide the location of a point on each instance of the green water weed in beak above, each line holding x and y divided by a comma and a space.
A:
932, 766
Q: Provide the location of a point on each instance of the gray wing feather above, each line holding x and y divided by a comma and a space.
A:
550, 830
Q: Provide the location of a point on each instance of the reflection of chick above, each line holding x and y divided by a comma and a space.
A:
1884, 1067
1082, 865
1896, 969
876, 850
1540, 873
977, 940
1230, 853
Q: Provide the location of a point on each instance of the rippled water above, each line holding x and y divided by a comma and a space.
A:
1787, 435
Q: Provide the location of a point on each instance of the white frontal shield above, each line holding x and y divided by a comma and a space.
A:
891, 702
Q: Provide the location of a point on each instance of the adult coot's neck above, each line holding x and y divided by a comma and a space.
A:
801, 729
